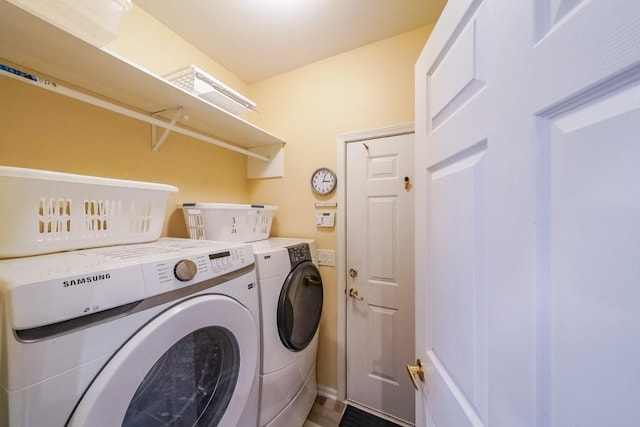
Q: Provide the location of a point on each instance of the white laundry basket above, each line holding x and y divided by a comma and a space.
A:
44, 211
228, 222
95, 21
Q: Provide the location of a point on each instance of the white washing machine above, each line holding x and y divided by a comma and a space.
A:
152, 334
291, 297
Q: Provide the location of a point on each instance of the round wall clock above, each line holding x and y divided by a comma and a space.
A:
323, 181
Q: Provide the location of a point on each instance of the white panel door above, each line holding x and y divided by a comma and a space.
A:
527, 207
380, 260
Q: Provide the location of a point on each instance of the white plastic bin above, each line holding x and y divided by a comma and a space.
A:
199, 83
95, 21
44, 211
228, 222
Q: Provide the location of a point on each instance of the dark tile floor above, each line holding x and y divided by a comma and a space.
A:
328, 413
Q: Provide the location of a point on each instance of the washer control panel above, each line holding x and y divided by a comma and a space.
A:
88, 281
167, 275
223, 261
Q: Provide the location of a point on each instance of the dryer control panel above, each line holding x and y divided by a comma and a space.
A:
299, 253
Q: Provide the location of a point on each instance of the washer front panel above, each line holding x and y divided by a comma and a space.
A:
126, 386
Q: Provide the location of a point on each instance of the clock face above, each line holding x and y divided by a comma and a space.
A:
323, 181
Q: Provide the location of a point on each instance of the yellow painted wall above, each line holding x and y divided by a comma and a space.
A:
366, 88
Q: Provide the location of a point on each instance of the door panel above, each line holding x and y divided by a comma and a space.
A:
456, 319
588, 301
379, 251
450, 233
383, 364
527, 241
458, 76
591, 237
382, 253
448, 404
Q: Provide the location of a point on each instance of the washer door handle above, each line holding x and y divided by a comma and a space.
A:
312, 280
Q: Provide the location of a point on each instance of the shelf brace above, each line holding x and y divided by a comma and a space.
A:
156, 143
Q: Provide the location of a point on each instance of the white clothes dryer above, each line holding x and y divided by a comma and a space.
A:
152, 334
291, 298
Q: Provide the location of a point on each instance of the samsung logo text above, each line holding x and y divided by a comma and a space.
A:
86, 280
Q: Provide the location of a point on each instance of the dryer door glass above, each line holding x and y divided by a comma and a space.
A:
300, 306
191, 384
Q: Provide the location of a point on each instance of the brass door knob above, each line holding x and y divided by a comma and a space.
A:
414, 370
353, 293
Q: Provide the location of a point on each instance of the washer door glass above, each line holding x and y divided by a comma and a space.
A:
191, 384
300, 306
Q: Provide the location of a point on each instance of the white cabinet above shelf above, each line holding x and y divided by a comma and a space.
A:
33, 45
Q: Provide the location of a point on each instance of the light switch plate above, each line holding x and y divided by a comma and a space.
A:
327, 257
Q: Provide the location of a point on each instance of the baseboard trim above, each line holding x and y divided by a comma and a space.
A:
328, 392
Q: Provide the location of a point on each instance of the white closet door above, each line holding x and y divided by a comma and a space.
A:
527, 200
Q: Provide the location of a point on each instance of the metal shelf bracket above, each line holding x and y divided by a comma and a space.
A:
156, 142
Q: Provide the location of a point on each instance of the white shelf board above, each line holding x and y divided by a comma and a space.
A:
36, 46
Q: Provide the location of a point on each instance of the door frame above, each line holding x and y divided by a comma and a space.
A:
341, 244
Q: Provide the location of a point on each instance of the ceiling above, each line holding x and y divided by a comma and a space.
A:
257, 39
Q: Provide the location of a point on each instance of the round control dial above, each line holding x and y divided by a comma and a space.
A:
185, 270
